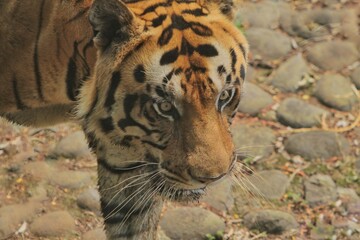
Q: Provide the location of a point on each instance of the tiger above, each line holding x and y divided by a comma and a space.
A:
155, 85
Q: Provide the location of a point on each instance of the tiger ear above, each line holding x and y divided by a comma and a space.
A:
226, 7
111, 21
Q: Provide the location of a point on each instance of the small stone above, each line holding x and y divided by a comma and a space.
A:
263, 14
161, 235
38, 194
270, 221
354, 207
320, 189
184, 223
96, 234
317, 144
71, 179
270, 184
90, 200
53, 224
334, 55
219, 195
322, 232
336, 91
254, 99
254, 142
72, 146
355, 77
347, 195
299, 114
289, 75
39, 170
12, 216
267, 44
268, 116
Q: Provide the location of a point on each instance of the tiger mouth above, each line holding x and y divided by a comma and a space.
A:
181, 195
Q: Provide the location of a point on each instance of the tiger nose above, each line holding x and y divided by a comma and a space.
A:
206, 179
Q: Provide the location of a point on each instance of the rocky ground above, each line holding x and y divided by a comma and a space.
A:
298, 133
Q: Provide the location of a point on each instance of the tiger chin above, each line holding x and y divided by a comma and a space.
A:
158, 105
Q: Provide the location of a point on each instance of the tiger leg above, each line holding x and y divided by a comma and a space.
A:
130, 206
42, 116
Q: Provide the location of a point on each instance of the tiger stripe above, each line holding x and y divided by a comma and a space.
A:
144, 79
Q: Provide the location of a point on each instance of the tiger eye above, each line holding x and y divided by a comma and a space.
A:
224, 95
165, 106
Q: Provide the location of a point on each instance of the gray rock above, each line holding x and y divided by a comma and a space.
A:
71, 179
270, 221
320, 189
270, 184
350, 199
90, 200
322, 232
296, 113
53, 224
95, 234
302, 23
250, 74
317, 144
347, 195
39, 170
354, 207
12, 216
267, 44
335, 91
161, 235
287, 78
38, 194
357, 166
254, 142
190, 223
355, 77
254, 99
334, 55
219, 195
263, 15
72, 146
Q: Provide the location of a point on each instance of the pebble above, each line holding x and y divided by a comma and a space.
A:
270, 184
89, 200
336, 91
322, 232
320, 189
355, 77
254, 99
296, 113
218, 195
38, 194
190, 223
347, 195
40, 170
317, 144
72, 146
249, 15
333, 55
252, 141
289, 75
12, 216
95, 234
270, 221
54, 224
71, 179
267, 44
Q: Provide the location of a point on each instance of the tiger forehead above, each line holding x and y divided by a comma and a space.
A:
189, 50
155, 14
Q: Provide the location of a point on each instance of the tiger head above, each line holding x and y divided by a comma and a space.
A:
167, 84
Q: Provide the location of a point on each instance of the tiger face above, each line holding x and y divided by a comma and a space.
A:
167, 84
